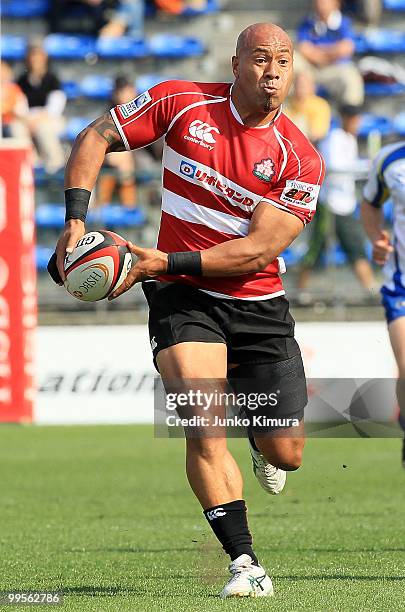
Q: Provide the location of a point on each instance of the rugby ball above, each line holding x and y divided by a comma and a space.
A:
99, 263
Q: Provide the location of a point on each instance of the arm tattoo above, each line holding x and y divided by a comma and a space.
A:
105, 126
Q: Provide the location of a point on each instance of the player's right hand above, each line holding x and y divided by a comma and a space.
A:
382, 248
73, 231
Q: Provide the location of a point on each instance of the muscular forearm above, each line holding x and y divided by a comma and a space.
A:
239, 256
372, 220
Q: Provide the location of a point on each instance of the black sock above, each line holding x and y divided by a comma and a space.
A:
229, 523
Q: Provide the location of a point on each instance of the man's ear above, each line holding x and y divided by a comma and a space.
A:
235, 65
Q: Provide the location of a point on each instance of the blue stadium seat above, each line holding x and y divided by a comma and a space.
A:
67, 46
380, 41
71, 89
211, 6
394, 5
116, 216
171, 45
96, 86
146, 81
50, 216
380, 123
74, 126
399, 124
12, 47
41, 177
385, 89
24, 9
42, 256
124, 47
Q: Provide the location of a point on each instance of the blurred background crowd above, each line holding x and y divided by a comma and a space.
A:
65, 61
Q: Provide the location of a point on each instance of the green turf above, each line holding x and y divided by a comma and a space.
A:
105, 515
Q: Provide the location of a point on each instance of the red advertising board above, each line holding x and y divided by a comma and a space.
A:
18, 295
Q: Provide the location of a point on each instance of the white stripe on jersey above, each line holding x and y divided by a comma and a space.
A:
181, 93
194, 105
185, 209
187, 169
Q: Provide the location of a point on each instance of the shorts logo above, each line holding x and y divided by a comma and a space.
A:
213, 514
187, 169
264, 170
202, 134
300, 194
153, 343
130, 108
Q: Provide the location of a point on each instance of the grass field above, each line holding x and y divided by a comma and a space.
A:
105, 515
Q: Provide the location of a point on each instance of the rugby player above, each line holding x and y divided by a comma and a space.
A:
240, 182
387, 180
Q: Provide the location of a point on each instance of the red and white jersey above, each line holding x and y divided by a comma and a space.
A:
215, 172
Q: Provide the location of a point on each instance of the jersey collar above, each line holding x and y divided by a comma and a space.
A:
239, 118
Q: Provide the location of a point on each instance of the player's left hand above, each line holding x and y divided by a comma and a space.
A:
151, 262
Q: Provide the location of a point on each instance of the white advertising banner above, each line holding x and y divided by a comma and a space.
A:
104, 374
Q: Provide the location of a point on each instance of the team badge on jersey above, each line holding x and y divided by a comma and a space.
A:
130, 108
264, 170
300, 194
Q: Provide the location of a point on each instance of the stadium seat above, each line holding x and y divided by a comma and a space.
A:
50, 216
12, 47
380, 41
74, 126
71, 89
399, 124
385, 89
124, 47
42, 256
171, 45
394, 5
116, 216
41, 177
146, 81
20, 9
67, 46
370, 123
96, 86
211, 6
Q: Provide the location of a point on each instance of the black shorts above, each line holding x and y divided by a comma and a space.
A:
259, 336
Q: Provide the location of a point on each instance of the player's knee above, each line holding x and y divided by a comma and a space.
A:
291, 461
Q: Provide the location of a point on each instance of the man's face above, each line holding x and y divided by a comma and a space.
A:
324, 8
264, 72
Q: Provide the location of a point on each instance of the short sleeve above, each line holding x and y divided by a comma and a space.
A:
304, 31
375, 191
147, 117
346, 30
298, 189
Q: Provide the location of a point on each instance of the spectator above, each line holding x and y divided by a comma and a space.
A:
104, 18
326, 47
119, 168
338, 202
14, 105
309, 112
46, 103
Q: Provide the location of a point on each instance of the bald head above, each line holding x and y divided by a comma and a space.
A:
259, 34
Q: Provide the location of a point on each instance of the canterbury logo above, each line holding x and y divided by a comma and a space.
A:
203, 131
213, 514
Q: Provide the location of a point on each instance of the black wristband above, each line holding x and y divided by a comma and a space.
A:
77, 203
187, 262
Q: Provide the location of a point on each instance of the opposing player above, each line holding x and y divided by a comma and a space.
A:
240, 182
387, 180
